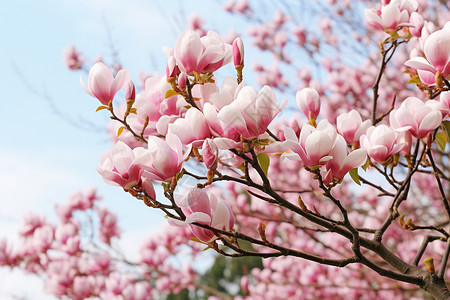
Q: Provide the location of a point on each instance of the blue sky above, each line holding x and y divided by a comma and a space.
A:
44, 157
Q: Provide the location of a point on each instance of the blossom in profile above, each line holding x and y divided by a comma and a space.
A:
102, 83
309, 103
201, 54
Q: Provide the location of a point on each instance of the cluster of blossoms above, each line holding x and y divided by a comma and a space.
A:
203, 117
77, 266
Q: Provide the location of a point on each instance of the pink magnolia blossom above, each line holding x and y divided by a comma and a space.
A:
172, 69
210, 154
238, 52
416, 116
249, 114
437, 56
314, 145
193, 128
201, 55
108, 227
72, 58
308, 102
203, 209
392, 16
351, 126
119, 166
444, 99
342, 161
102, 83
416, 19
163, 159
380, 142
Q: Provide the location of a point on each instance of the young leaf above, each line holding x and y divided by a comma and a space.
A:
264, 162
101, 107
366, 164
354, 175
446, 125
441, 140
170, 93
119, 132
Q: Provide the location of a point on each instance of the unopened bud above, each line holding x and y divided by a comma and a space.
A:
302, 204
262, 230
439, 80
308, 102
130, 91
238, 52
210, 154
429, 263
182, 80
172, 69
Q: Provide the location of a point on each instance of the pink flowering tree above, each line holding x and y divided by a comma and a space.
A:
347, 199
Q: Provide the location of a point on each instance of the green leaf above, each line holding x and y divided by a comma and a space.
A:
180, 174
206, 248
446, 125
170, 93
354, 175
196, 240
366, 164
264, 162
441, 140
101, 107
119, 132
415, 79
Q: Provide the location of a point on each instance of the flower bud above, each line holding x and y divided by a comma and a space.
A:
309, 103
210, 154
429, 263
182, 80
238, 52
172, 69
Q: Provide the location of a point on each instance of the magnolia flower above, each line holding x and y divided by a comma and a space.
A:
444, 99
248, 115
314, 145
417, 117
392, 16
103, 85
203, 209
192, 128
72, 58
342, 161
118, 166
417, 21
163, 159
308, 102
351, 126
210, 154
201, 55
380, 142
238, 52
437, 56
